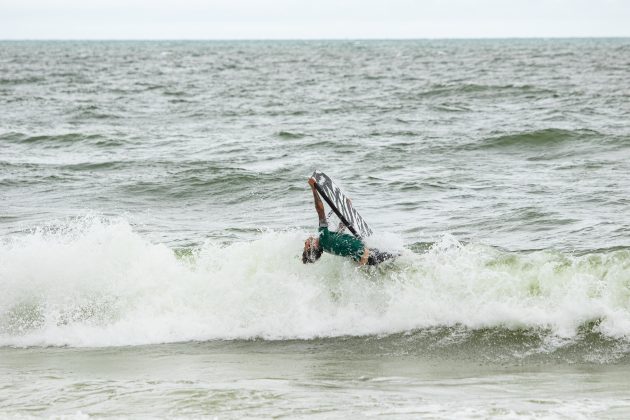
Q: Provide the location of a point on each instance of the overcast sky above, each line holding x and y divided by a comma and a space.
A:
308, 19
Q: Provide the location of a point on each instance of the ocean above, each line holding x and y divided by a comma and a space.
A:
154, 205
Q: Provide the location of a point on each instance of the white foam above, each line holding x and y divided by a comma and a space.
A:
99, 283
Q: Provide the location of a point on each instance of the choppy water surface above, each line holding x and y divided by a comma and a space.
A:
154, 203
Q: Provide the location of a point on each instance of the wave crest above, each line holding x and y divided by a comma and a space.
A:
99, 283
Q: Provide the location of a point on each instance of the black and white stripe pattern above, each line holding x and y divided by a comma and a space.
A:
341, 205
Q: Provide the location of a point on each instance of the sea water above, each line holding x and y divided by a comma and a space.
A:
154, 205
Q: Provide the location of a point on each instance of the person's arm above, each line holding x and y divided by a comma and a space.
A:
365, 256
319, 206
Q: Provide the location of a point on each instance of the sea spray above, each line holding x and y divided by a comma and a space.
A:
95, 282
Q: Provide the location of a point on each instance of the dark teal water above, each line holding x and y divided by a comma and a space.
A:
155, 193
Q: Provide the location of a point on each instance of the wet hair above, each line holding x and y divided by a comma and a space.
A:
311, 254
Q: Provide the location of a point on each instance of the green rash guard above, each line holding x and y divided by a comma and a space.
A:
340, 244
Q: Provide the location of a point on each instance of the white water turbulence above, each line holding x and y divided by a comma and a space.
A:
99, 283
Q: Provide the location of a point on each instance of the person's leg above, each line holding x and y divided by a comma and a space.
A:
377, 257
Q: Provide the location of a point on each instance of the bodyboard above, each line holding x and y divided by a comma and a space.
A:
341, 205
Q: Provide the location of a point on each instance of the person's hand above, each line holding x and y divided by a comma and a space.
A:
311, 182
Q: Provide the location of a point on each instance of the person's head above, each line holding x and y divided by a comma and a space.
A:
312, 251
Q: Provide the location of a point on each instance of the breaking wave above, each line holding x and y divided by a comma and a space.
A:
98, 283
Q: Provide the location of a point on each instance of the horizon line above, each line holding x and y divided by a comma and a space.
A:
315, 39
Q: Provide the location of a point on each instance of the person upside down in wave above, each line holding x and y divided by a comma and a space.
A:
337, 243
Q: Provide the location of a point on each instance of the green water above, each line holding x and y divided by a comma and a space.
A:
295, 379
154, 206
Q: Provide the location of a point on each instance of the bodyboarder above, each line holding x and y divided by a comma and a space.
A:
337, 243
